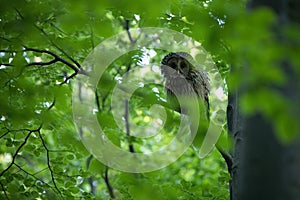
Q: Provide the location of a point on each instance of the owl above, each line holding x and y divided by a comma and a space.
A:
182, 78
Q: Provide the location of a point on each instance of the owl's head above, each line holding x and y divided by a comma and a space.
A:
176, 64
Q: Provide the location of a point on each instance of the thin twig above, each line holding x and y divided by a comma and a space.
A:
68, 56
88, 161
108, 185
90, 179
126, 116
33, 175
6, 51
48, 162
61, 50
55, 27
57, 47
4, 134
3, 189
68, 78
6, 64
3, 38
77, 68
56, 57
97, 100
52, 105
60, 151
17, 130
18, 150
40, 171
228, 159
42, 63
127, 25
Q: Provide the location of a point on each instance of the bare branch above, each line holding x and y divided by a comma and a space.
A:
97, 100
52, 105
56, 28
126, 116
3, 189
48, 162
42, 63
90, 179
68, 78
128, 32
61, 151
6, 64
227, 157
18, 150
5, 51
3, 38
77, 68
108, 185
34, 176
4, 134
57, 47
56, 57
72, 59
88, 161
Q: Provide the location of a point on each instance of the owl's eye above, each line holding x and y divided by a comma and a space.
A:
173, 64
184, 67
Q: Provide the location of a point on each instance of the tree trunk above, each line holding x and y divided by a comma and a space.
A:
265, 168
235, 128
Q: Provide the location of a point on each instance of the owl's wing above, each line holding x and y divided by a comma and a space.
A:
202, 88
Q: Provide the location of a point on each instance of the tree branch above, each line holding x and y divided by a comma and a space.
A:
228, 159
90, 179
42, 63
3, 38
52, 105
127, 26
68, 78
48, 162
33, 175
56, 57
108, 185
56, 46
6, 64
18, 150
3, 189
77, 68
4, 134
126, 116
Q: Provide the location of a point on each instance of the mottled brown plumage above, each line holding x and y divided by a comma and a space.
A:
184, 79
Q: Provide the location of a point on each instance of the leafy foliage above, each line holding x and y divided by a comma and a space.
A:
42, 46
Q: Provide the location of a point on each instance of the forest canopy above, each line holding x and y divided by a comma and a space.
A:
43, 50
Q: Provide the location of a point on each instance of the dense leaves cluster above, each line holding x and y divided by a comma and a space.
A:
42, 46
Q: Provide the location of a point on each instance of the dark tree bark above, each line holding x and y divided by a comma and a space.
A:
235, 128
264, 167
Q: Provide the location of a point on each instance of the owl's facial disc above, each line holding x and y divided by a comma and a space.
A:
179, 66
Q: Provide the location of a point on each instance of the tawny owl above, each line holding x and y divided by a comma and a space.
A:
184, 79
